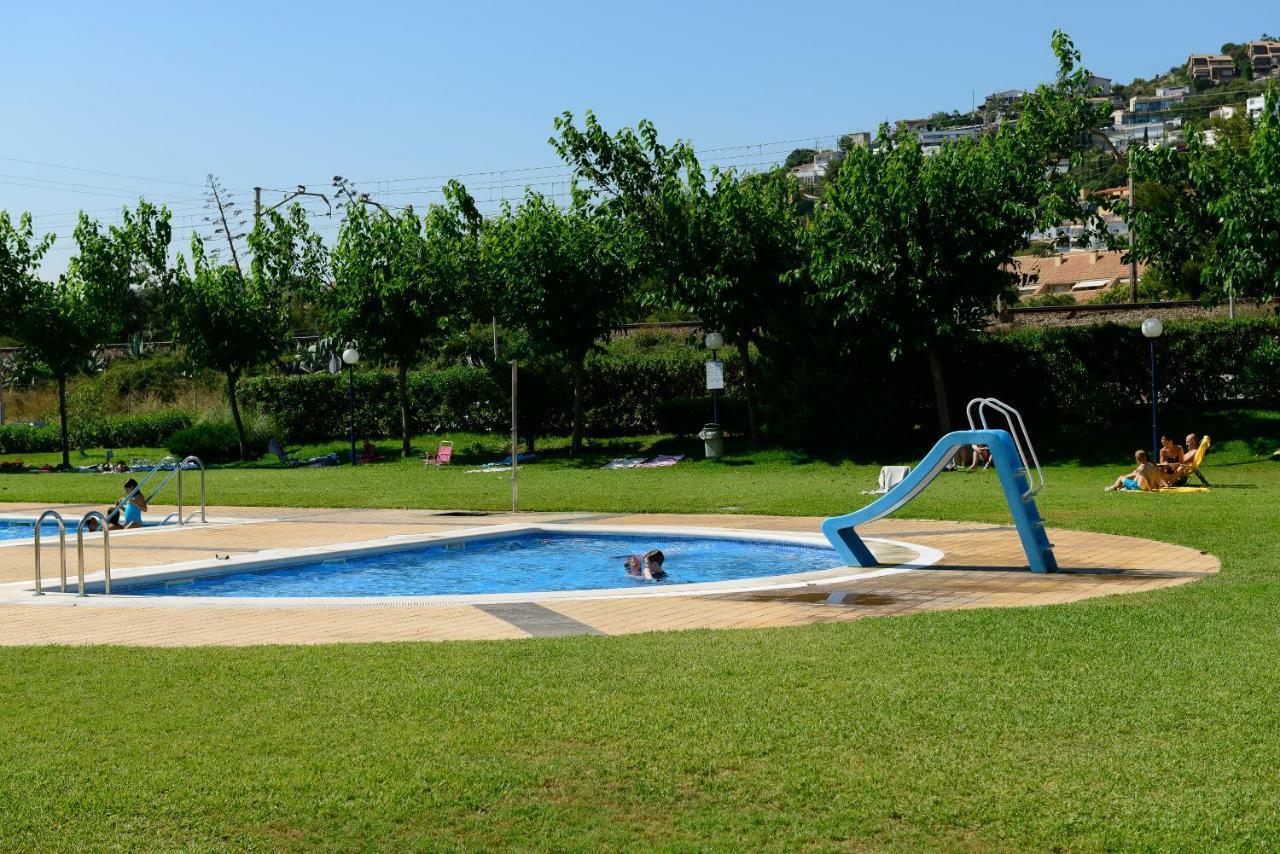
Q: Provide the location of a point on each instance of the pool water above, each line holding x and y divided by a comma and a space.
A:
24, 529
519, 563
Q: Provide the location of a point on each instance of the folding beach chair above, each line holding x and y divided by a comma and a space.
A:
441, 457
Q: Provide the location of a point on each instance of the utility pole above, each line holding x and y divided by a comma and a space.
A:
258, 210
1133, 258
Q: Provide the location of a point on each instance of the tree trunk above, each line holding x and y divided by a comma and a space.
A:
753, 421
402, 389
939, 388
232, 378
579, 370
62, 419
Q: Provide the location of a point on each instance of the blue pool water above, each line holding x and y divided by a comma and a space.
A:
516, 564
24, 529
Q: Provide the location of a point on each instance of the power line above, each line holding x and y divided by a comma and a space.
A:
100, 172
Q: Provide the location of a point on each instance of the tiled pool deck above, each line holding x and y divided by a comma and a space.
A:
982, 567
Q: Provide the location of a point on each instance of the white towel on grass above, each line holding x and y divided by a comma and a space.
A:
890, 476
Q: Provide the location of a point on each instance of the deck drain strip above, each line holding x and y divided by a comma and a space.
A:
538, 621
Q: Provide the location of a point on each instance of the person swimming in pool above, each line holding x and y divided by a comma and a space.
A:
648, 567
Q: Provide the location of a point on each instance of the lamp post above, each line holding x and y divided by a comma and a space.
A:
350, 356
1152, 329
715, 374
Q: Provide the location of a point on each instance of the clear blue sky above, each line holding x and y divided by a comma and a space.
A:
261, 95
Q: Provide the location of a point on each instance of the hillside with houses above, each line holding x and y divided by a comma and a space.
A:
1085, 260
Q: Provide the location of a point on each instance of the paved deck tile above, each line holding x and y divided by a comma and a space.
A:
981, 567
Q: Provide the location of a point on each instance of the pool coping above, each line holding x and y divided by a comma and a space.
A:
23, 592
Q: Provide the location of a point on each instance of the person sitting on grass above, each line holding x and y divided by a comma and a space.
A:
133, 508
981, 454
1146, 477
1171, 453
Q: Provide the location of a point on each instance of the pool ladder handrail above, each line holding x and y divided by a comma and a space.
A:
106, 551
1021, 438
165, 482
177, 470
62, 549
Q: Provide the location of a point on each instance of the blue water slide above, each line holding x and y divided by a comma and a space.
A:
1014, 481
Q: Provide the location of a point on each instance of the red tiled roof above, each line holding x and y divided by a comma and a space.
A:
1058, 274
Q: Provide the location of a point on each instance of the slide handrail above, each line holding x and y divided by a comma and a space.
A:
1010, 414
62, 548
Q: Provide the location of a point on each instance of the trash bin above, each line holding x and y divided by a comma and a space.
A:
713, 441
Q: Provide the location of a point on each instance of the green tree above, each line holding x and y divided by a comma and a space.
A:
798, 157
231, 322
919, 248
1242, 188
400, 283
61, 324
566, 273
738, 238
20, 257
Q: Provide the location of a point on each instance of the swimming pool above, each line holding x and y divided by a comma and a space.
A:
24, 529
519, 562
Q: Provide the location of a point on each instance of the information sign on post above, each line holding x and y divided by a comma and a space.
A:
715, 375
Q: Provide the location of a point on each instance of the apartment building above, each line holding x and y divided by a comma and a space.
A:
1217, 67
1264, 58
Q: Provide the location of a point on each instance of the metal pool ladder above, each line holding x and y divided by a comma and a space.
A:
106, 550
177, 470
62, 548
62, 551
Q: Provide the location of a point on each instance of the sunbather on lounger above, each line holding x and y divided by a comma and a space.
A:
1171, 452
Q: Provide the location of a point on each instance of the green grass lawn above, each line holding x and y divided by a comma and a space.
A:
1147, 721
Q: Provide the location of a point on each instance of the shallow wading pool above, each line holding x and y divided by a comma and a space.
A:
514, 563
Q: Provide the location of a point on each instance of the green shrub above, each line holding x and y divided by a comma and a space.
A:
1262, 372
26, 439
214, 441
313, 407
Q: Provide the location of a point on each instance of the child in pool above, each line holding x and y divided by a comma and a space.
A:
648, 567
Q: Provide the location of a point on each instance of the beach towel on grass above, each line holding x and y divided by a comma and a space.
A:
890, 476
661, 461
623, 463
1164, 489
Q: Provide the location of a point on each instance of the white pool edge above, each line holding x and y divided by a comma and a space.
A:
23, 592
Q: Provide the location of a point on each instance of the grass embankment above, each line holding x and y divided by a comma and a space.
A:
1138, 721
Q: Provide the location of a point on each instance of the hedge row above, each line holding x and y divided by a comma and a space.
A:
1082, 377
1086, 375
629, 389
314, 407
151, 430
1077, 383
